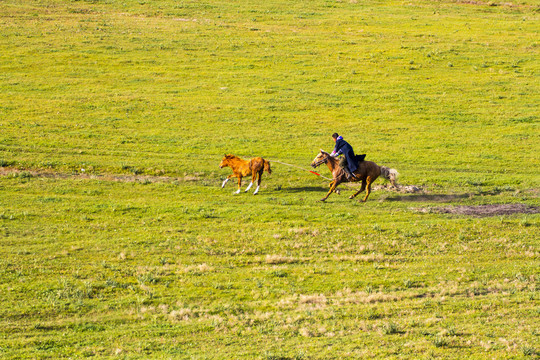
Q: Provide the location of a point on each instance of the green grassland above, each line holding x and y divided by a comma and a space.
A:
117, 241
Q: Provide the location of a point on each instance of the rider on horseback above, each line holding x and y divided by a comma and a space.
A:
349, 162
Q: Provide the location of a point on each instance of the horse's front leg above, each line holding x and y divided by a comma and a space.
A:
227, 180
333, 186
335, 190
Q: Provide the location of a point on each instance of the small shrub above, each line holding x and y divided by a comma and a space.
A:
525, 222
23, 175
439, 341
373, 315
529, 350
279, 273
390, 328
5, 163
70, 291
225, 286
408, 283
452, 331
46, 345
147, 278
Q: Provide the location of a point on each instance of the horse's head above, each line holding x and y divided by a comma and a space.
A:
225, 161
321, 158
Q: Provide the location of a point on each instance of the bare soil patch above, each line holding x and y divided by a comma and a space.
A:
489, 210
405, 189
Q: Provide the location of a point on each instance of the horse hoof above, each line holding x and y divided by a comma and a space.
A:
351, 197
322, 200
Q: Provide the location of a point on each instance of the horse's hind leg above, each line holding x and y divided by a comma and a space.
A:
258, 182
362, 188
254, 173
368, 191
253, 176
393, 182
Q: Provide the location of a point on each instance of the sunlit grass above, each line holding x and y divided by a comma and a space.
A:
118, 241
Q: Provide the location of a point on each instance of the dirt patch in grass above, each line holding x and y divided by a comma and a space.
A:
489, 210
405, 189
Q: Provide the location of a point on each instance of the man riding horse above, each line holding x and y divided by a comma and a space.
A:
349, 163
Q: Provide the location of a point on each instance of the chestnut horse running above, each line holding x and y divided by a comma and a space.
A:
367, 172
243, 168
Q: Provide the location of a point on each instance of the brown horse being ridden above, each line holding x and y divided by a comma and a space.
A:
243, 168
367, 172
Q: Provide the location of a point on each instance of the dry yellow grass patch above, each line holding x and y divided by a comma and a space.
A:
361, 258
201, 268
181, 314
278, 259
298, 301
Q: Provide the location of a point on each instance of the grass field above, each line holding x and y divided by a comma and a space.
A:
117, 241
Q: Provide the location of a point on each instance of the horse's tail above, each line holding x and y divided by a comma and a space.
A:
389, 174
267, 166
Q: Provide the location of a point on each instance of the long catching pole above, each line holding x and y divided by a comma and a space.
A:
301, 168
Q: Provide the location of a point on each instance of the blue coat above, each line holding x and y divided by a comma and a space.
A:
343, 147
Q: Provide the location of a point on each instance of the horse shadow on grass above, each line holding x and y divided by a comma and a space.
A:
304, 189
429, 198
